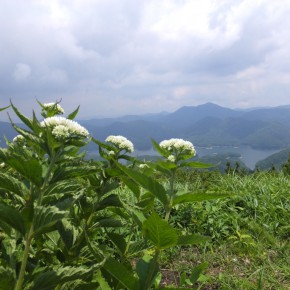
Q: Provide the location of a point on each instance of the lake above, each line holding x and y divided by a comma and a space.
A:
249, 155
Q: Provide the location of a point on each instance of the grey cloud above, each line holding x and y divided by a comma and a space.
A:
107, 58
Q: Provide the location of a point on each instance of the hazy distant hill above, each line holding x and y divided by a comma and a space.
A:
203, 125
275, 160
187, 116
6, 130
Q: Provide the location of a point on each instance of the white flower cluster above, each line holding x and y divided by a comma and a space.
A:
178, 144
19, 139
171, 158
63, 128
143, 166
121, 142
53, 106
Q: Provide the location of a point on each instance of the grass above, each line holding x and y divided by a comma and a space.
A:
250, 232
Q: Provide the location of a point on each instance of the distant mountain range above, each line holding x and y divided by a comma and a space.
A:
204, 125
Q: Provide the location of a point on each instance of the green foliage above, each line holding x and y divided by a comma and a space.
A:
68, 223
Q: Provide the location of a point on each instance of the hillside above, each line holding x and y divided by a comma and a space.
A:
203, 125
275, 160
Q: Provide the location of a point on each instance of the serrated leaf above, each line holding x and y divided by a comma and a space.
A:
146, 182
159, 232
119, 241
49, 278
12, 217
73, 171
30, 169
137, 247
194, 197
122, 274
11, 184
67, 232
111, 200
45, 217
103, 283
192, 239
108, 222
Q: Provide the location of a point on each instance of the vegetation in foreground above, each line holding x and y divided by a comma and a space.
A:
68, 223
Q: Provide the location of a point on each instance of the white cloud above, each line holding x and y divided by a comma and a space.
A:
147, 55
22, 72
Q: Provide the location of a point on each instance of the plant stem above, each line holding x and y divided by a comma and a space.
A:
171, 195
20, 279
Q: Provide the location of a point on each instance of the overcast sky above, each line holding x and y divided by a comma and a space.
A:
117, 57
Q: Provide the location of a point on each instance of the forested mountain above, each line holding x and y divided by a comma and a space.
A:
203, 125
274, 161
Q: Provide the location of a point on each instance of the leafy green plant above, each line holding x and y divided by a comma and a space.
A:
64, 221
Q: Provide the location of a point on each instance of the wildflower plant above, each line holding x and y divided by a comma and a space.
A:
51, 109
38, 189
115, 148
64, 223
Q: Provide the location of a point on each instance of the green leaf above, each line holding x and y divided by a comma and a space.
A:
119, 241
11, 184
28, 122
122, 274
146, 202
12, 217
108, 222
138, 216
101, 280
192, 239
45, 218
131, 185
72, 115
111, 200
48, 279
28, 168
2, 109
73, 171
166, 165
146, 182
193, 197
67, 233
160, 233
137, 247
29, 137
161, 151
147, 269
197, 271
102, 144
7, 278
